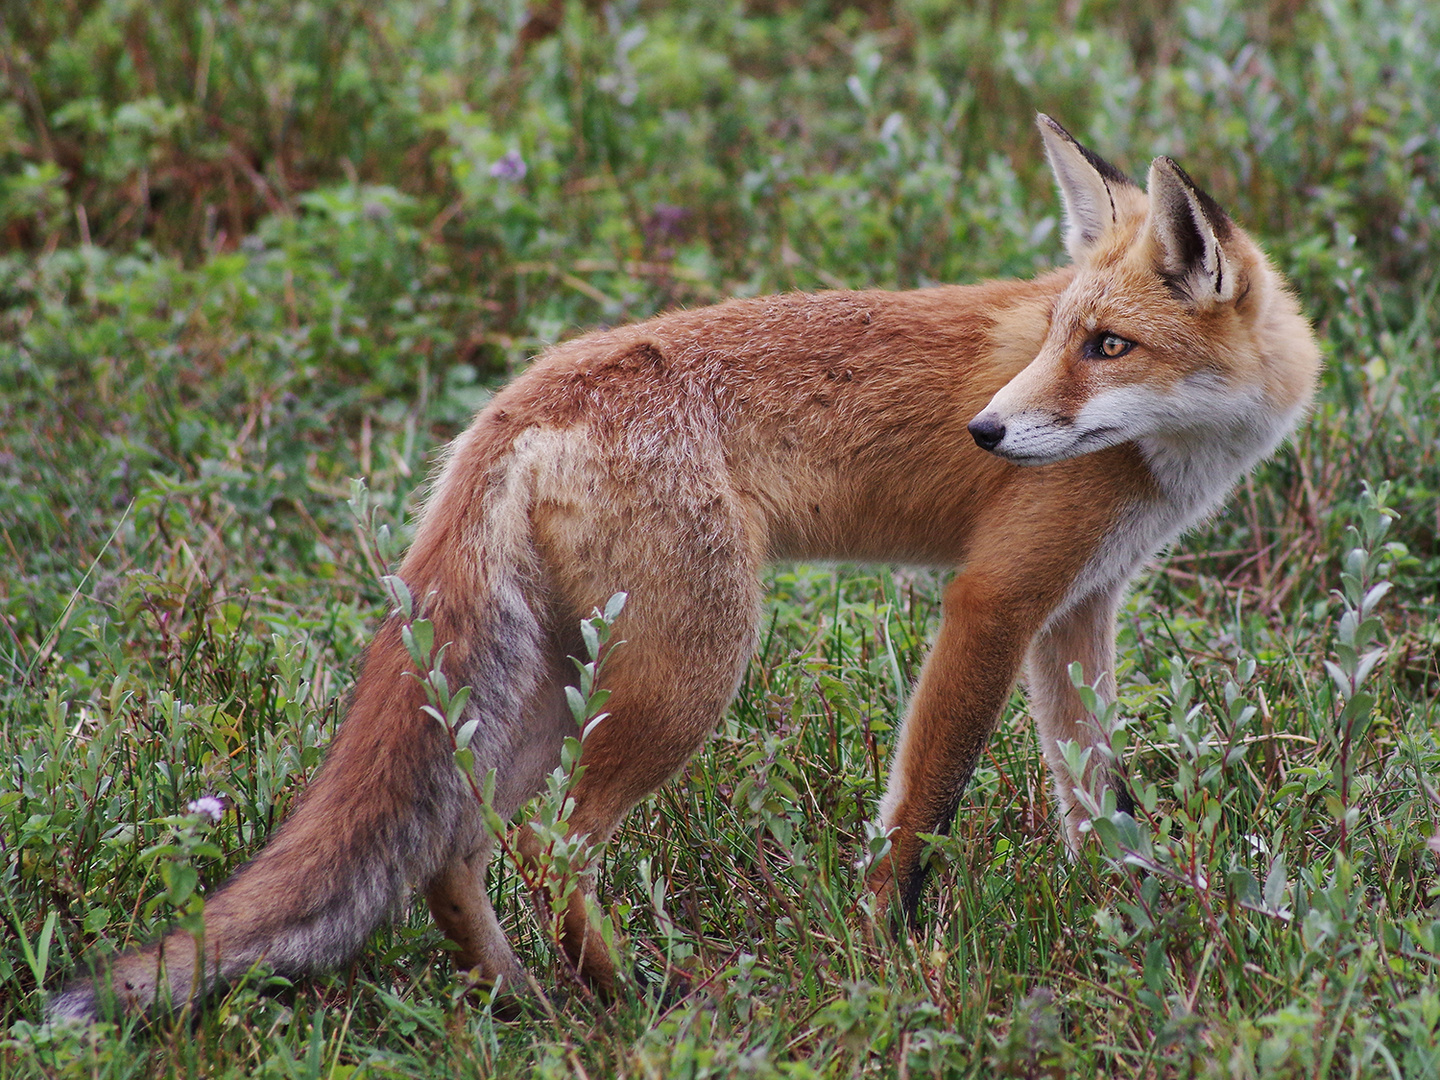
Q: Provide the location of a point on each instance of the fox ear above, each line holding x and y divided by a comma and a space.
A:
1086, 183
1190, 233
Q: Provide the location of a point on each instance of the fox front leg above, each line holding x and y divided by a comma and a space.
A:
1084, 634
962, 690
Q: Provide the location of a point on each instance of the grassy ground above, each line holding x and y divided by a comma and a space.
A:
254, 249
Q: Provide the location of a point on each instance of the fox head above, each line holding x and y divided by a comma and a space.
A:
1173, 328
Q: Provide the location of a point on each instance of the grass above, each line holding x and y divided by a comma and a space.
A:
253, 250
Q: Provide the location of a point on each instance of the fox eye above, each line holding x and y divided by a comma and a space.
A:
1111, 346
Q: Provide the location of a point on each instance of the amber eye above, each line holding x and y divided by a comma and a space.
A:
1112, 345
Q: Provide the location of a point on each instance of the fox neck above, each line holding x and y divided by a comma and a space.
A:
1195, 469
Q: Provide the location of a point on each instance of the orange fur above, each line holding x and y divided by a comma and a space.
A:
673, 458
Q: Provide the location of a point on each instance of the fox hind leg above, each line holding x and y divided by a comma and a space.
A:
521, 760
669, 686
462, 909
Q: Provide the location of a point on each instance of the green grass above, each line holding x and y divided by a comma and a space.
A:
252, 250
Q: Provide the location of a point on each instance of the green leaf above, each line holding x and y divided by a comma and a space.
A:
423, 631
440, 685
592, 638
419, 637
1275, 884
360, 501
458, 701
399, 594
576, 701
594, 722
180, 880
596, 702
1341, 680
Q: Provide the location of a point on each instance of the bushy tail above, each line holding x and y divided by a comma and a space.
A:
381, 817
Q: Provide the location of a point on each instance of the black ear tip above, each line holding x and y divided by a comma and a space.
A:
1214, 213
1170, 165
1046, 122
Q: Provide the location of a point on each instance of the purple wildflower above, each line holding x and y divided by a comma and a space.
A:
510, 167
666, 224
209, 806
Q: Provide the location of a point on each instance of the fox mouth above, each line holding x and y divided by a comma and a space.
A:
1080, 443
1098, 433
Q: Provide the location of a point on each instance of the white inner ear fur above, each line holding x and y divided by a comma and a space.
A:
1089, 205
1190, 250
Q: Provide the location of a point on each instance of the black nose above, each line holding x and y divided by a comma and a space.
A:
987, 432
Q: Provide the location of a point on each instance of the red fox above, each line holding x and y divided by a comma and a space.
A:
1042, 437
